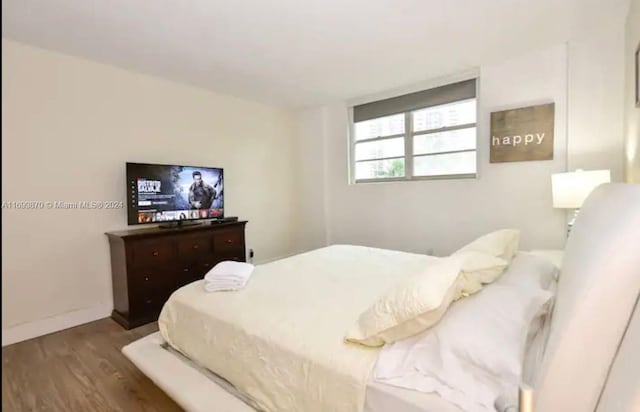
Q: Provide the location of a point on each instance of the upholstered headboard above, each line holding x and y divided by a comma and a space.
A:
622, 390
597, 294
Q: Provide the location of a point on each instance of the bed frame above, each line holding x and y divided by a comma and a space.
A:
190, 386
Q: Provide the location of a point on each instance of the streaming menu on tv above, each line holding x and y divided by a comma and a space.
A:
160, 193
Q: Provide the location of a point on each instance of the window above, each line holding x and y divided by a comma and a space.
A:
436, 128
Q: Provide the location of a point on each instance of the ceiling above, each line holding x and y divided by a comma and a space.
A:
299, 53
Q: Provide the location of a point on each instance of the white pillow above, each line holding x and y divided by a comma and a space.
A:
414, 304
419, 301
530, 271
478, 269
474, 354
501, 243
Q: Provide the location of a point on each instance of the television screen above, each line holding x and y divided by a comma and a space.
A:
170, 193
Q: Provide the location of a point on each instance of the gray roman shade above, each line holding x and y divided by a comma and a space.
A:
418, 100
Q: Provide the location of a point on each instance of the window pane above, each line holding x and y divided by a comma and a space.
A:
381, 148
445, 164
447, 115
378, 169
382, 126
461, 139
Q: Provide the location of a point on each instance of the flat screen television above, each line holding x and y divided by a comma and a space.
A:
173, 194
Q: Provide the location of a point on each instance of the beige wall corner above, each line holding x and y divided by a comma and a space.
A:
68, 127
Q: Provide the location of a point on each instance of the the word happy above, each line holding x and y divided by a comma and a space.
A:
518, 140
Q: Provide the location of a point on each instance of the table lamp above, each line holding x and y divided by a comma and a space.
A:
572, 188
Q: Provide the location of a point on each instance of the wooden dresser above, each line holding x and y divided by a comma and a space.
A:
147, 265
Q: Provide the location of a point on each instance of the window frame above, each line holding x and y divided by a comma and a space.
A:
409, 135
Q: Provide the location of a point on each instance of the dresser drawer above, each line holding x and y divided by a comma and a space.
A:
189, 270
190, 273
206, 264
197, 269
148, 305
191, 247
151, 253
228, 240
147, 298
143, 279
232, 254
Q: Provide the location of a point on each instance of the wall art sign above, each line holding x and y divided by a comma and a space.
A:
522, 134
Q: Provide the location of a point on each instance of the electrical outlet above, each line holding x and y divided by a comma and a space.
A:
251, 254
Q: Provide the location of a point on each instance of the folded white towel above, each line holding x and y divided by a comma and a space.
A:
227, 281
228, 275
215, 287
227, 278
224, 282
230, 268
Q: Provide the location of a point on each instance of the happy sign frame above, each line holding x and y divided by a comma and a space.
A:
523, 134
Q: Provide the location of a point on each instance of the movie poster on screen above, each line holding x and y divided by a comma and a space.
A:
165, 193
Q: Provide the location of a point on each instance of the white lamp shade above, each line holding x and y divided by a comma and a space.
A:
572, 188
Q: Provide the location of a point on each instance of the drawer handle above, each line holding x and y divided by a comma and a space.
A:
149, 301
207, 265
196, 246
146, 278
154, 253
229, 241
185, 269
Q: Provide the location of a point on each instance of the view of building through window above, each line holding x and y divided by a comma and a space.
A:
441, 141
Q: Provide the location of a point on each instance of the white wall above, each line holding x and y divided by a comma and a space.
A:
440, 215
596, 93
584, 77
69, 125
310, 175
632, 113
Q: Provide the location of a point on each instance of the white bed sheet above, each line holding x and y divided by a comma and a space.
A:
386, 398
265, 357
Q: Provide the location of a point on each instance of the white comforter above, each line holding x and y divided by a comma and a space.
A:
280, 340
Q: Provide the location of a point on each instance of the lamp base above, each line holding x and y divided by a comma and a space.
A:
572, 221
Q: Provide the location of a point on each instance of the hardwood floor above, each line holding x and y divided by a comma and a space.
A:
79, 369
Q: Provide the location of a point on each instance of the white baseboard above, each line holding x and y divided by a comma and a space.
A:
56, 323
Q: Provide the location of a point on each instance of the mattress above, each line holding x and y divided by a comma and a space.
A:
252, 337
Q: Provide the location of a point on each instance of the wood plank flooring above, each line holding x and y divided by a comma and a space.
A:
79, 369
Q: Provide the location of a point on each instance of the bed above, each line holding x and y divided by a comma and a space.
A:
290, 354
316, 295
